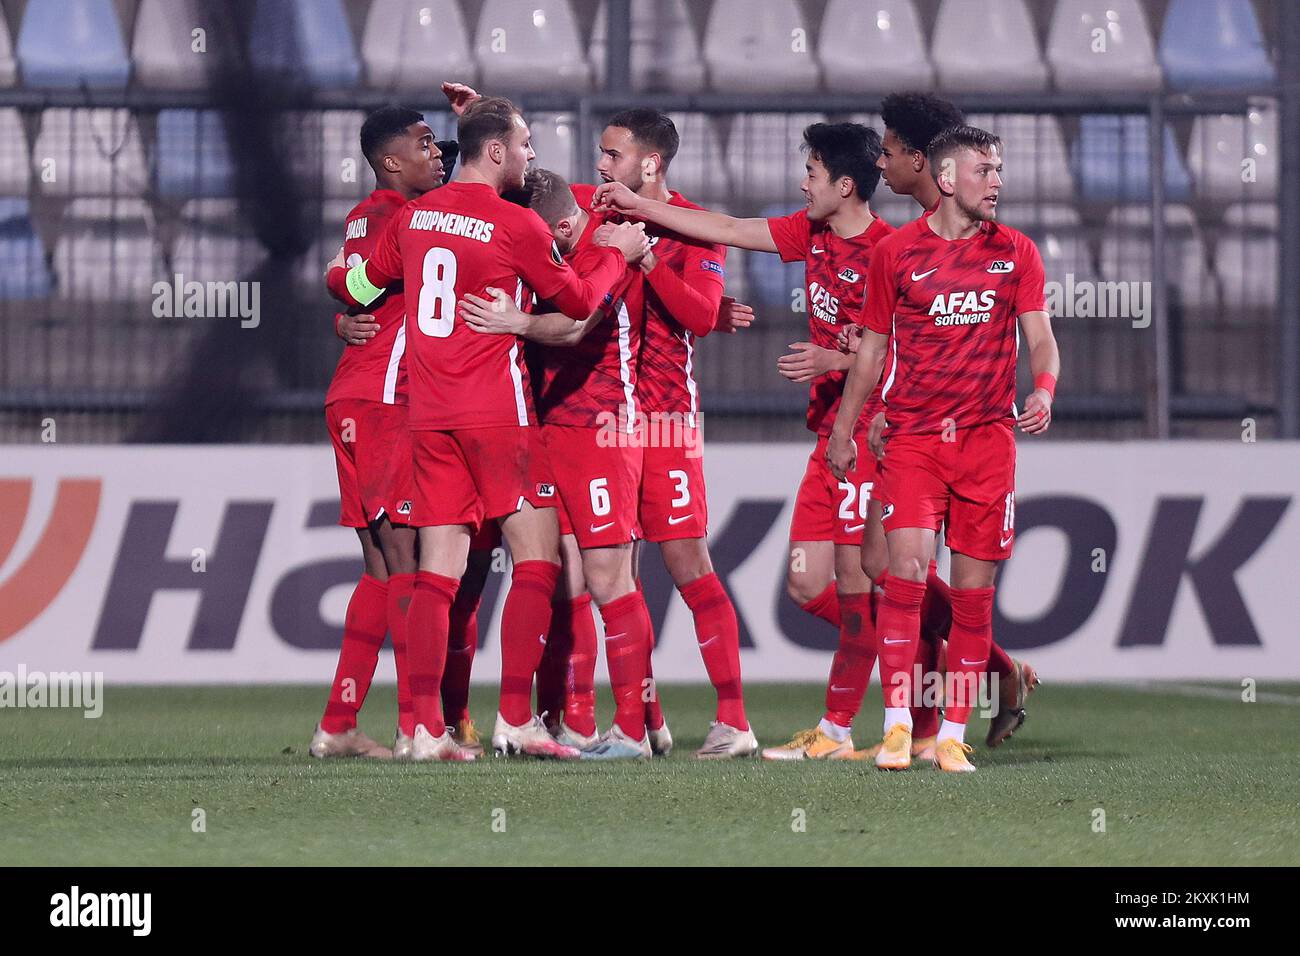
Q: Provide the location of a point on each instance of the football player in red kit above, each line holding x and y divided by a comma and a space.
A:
683, 279
365, 408
471, 409
834, 237
948, 292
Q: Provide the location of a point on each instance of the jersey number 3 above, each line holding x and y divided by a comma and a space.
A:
436, 311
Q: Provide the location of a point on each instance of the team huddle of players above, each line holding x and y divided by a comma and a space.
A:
511, 335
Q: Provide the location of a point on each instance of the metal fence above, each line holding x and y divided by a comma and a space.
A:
1171, 241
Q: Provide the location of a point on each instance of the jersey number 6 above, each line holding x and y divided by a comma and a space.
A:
436, 311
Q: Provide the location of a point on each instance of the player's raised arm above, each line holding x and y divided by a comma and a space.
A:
498, 315
702, 224
693, 296
544, 270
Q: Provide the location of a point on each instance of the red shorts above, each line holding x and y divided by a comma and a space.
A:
599, 484
372, 451
473, 475
673, 503
827, 509
969, 484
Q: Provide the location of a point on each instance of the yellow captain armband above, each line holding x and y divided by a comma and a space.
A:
360, 287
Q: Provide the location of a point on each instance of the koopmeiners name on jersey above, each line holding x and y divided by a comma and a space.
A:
452, 223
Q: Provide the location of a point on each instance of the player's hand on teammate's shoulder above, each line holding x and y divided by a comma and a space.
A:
495, 315
355, 329
733, 316
615, 197
876, 436
460, 96
850, 338
1037, 414
807, 361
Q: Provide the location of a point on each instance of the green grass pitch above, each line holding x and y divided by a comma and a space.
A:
1182, 778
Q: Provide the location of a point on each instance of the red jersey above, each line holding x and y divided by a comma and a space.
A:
682, 297
951, 306
458, 240
376, 371
835, 271
585, 384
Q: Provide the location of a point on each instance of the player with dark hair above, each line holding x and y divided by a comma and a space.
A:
471, 411
948, 290
684, 278
911, 121
834, 237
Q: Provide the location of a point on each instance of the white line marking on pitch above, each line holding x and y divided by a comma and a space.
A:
1219, 693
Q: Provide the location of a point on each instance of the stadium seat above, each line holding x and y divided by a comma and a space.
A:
530, 45
1036, 163
554, 137
1102, 45
193, 155
764, 157
1111, 160
304, 43
1127, 254
1219, 147
326, 158
700, 170
665, 52
68, 44
760, 48
1213, 44
15, 168
877, 46
162, 48
89, 152
8, 65
1245, 262
106, 252
212, 245
1005, 58
415, 45
26, 274
1252, 215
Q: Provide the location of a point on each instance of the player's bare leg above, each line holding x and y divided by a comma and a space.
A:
566, 692
810, 579
363, 634
717, 634
968, 652
898, 629
443, 556
534, 538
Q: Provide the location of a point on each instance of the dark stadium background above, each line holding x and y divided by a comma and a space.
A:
236, 172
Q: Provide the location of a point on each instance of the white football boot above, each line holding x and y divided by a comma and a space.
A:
401, 745
726, 741
531, 739
571, 738
350, 743
426, 747
661, 740
616, 745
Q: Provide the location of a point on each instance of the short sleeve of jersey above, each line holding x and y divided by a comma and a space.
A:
536, 255
1030, 295
386, 258
791, 234
882, 291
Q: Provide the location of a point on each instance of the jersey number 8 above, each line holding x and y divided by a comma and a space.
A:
436, 312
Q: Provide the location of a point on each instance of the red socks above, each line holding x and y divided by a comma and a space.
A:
427, 625
580, 681
400, 589
553, 671
462, 641
364, 628
999, 660
898, 628
968, 649
718, 635
925, 720
825, 606
525, 619
628, 635
851, 667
